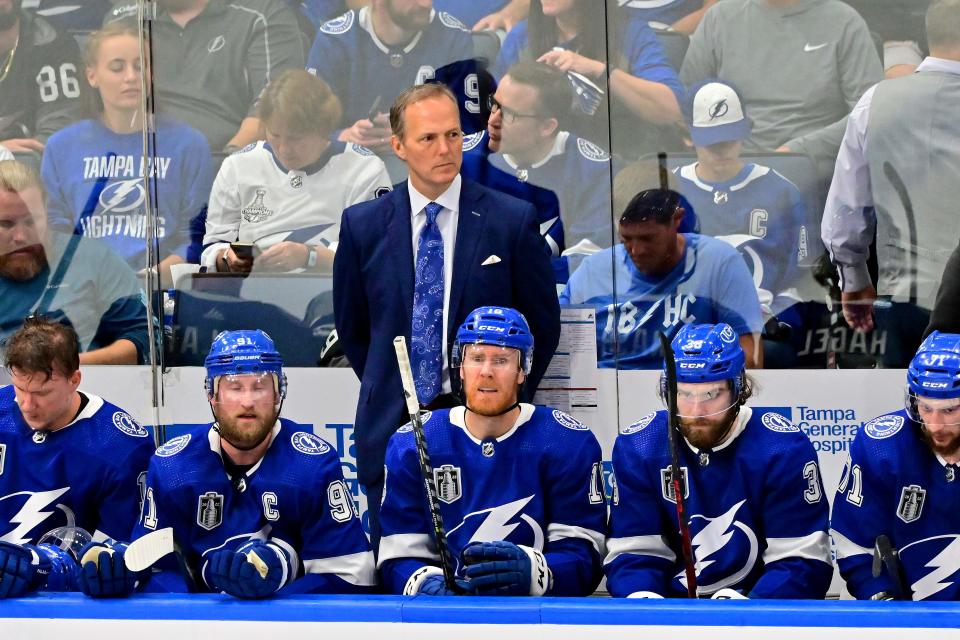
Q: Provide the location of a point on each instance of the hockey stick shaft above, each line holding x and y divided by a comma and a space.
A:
426, 469
673, 429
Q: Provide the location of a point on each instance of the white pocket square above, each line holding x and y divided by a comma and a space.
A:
494, 259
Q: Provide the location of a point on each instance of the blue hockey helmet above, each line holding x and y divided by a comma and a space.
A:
707, 353
500, 326
244, 352
935, 371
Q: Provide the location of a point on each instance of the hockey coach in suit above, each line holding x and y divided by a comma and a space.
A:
416, 261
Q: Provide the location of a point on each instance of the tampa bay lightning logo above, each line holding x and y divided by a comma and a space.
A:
590, 151
776, 422
174, 446
718, 109
725, 548
338, 25
424, 419
933, 565
884, 426
360, 150
309, 444
36, 508
123, 421
503, 522
471, 141
640, 424
568, 421
121, 196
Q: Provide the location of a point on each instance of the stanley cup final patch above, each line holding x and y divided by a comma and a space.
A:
210, 510
666, 484
447, 481
912, 498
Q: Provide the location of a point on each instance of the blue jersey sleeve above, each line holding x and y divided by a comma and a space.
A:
647, 59
639, 557
406, 541
858, 516
577, 511
795, 512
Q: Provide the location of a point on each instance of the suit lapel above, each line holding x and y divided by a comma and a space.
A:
400, 245
469, 229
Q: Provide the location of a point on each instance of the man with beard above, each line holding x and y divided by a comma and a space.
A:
39, 79
69, 278
901, 482
751, 487
256, 503
370, 55
67, 459
211, 59
496, 460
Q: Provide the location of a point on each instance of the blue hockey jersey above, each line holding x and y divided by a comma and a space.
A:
94, 178
758, 516
540, 485
894, 485
367, 74
762, 215
469, 12
88, 474
710, 284
295, 497
570, 189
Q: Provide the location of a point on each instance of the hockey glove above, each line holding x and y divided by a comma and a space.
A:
257, 569
436, 586
16, 570
504, 569
104, 572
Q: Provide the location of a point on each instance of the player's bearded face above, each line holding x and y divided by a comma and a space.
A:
941, 424
22, 231
9, 12
706, 412
246, 408
491, 378
412, 15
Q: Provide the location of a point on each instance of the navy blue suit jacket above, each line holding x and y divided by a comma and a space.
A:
373, 284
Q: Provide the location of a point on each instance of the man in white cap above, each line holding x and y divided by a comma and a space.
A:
752, 207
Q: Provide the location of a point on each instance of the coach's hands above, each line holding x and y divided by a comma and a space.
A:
256, 569
504, 569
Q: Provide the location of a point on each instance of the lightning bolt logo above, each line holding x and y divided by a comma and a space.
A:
944, 565
34, 511
115, 195
497, 526
713, 537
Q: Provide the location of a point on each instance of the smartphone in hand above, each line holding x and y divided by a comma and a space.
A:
243, 250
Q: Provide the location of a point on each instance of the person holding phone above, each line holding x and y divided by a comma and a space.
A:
276, 204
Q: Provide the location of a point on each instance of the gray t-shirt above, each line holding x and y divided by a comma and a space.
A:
799, 70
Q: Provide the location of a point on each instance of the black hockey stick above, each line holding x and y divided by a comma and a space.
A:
884, 555
426, 469
894, 177
673, 428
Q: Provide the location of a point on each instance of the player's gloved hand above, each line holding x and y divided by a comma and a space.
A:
256, 569
17, 570
883, 595
436, 586
103, 570
504, 569
728, 594
645, 595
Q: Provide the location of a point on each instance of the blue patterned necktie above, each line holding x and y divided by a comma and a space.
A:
426, 354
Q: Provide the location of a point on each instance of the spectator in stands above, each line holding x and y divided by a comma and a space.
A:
896, 176
65, 277
369, 56
524, 152
94, 170
662, 279
286, 195
801, 65
566, 34
213, 58
676, 15
751, 207
39, 83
